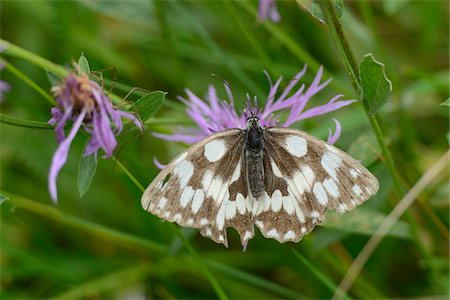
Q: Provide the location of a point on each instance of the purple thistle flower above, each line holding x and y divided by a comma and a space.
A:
268, 10
216, 114
84, 102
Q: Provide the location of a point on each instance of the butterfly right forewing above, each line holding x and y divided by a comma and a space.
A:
305, 177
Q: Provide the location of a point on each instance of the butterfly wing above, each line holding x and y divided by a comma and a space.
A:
203, 188
304, 176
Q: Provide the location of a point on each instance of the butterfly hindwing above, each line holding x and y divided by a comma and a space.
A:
304, 177
203, 188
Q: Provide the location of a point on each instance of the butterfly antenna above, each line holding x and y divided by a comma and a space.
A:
218, 77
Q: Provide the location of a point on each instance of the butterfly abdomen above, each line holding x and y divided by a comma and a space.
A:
254, 151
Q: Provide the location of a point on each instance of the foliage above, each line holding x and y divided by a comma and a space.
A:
103, 245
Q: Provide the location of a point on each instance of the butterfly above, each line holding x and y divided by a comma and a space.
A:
280, 179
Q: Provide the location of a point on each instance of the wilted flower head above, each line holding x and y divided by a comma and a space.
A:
215, 114
268, 10
84, 102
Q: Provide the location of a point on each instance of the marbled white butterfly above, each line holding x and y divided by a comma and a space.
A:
281, 179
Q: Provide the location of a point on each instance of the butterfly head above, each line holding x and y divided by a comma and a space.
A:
253, 122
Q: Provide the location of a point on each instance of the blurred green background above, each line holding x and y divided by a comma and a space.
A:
104, 245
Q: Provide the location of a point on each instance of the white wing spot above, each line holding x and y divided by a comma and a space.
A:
273, 233
231, 210
240, 203
331, 187
190, 222
214, 150
299, 212
184, 170
162, 203
221, 238
288, 205
330, 162
309, 176
341, 208
260, 224
208, 232
320, 193
277, 200
247, 235
197, 201
177, 217
300, 183
186, 196
275, 169
214, 188
353, 173
357, 190
332, 148
166, 214
206, 180
290, 235
303, 230
204, 221
296, 145
315, 214
237, 173
220, 217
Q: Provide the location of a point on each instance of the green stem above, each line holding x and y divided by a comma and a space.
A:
338, 36
215, 284
30, 82
16, 51
128, 173
387, 155
346, 53
24, 123
51, 213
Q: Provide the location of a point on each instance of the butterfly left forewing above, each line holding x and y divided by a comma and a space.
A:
304, 177
202, 188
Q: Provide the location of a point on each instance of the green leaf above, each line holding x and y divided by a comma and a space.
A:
55, 79
148, 105
24, 123
375, 84
86, 171
365, 221
446, 103
83, 65
316, 11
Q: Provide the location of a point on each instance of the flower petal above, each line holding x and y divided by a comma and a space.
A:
332, 138
60, 156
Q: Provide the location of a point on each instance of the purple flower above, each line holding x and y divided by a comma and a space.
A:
83, 102
268, 10
216, 114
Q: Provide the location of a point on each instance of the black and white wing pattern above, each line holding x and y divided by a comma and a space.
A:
304, 177
204, 188
281, 179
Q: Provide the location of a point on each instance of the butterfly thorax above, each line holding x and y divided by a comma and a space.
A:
254, 151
